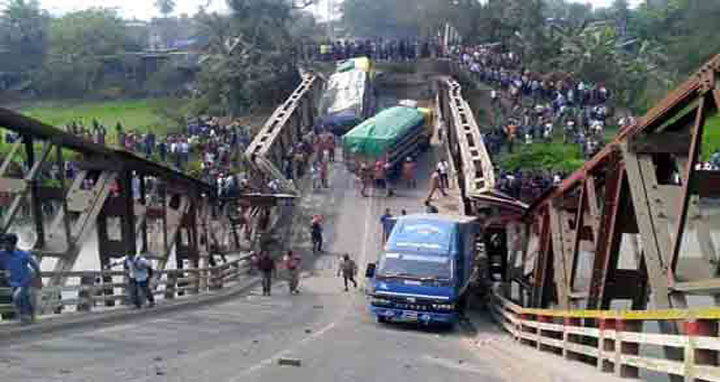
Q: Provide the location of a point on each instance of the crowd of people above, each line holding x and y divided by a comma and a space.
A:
208, 148
375, 49
531, 107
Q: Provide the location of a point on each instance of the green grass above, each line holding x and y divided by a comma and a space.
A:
132, 114
554, 156
711, 137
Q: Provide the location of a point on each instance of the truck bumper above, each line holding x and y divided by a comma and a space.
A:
422, 317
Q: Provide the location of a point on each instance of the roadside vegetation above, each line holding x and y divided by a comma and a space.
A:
141, 115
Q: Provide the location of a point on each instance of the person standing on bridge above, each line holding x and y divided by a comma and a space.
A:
435, 184
348, 270
365, 175
387, 223
24, 271
266, 265
443, 167
292, 264
316, 230
139, 272
330, 146
408, 172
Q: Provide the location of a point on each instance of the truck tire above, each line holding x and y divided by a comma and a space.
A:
382, 320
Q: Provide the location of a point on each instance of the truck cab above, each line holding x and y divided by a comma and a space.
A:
423, 273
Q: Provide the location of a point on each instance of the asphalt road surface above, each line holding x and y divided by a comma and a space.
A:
329, 331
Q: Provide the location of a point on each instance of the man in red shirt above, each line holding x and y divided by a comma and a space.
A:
292, 264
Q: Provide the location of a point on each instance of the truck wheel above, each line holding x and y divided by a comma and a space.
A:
382, 320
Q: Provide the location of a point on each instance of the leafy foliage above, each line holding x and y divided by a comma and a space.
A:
23, 35
79, 44
543, 156
247, 63
165, 7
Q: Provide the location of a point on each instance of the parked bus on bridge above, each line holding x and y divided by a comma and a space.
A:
424, 273
349, 97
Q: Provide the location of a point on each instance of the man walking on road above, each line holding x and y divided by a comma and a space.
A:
292, 264
348, 269
436, 184
24, 270
443, 166
266, 265
387, 223
316, 234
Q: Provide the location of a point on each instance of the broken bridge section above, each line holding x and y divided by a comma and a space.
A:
636, 228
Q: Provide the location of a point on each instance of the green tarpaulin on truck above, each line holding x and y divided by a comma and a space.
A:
374, 137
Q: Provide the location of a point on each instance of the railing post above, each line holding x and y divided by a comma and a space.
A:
626, 348
215, 281
171, 285
606, 346
567, 337
85, 293
203, 278
693, 356
517, 323
540, 320
194, 281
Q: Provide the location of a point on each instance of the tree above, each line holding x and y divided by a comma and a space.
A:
247, 64
23, 34
165, 7
80, 44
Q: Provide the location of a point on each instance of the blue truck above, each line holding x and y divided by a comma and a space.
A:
424, 272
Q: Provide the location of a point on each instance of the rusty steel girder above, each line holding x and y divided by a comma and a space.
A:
287, 125
637, 226
473, 166
132, 204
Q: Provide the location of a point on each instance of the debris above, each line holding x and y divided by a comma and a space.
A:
159, 372
65, 371
158, 359
460, 362
289, 362
318, 306
255, 341
182, 351
407, 366
307, 331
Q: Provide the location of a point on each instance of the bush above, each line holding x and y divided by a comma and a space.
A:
543, 156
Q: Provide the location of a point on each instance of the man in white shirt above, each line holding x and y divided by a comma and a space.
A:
443, 167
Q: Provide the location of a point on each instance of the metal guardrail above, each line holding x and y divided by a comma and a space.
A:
94, 288
618, 341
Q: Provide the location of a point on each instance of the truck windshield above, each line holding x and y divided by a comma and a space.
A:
415, 266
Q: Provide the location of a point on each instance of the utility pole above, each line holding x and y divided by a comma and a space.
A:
330, 11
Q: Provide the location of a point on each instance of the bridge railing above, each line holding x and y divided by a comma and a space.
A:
92, 290
620, 342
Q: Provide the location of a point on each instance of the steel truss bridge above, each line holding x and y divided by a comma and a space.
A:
598, 269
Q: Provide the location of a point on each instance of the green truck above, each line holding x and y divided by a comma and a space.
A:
393, 135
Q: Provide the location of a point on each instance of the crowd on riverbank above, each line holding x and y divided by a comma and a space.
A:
529, 107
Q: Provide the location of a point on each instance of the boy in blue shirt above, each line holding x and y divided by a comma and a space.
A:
23, 270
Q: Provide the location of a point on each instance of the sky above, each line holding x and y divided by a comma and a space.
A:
144, 9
